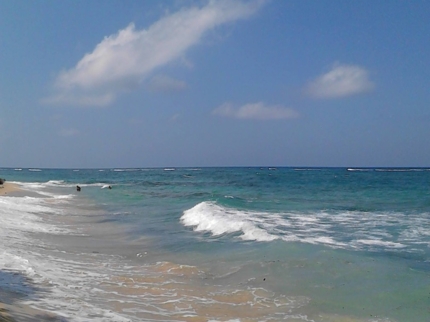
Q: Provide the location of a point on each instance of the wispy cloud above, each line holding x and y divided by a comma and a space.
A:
69, 132
162, 83
122, 60
175, 117
256, 111
341, 81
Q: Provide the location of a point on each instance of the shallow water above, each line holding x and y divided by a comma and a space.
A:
220, 244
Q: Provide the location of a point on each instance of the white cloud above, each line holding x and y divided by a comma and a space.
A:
162, 83
341, 81
77, 97
256, 111
121, 61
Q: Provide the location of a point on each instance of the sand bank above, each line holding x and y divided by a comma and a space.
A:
7, 188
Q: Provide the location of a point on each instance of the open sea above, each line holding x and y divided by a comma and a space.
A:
219, 244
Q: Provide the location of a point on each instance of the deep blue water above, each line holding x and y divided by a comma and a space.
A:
298, 244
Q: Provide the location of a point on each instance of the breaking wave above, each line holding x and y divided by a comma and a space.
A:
356, 230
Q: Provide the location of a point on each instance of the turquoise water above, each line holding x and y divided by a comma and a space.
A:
221, 244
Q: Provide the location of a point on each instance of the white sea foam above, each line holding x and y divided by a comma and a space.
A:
42, 188
45, 188
379, 242
326, 240
389, 169
95, 184
350, 230
55, 182
20, 214
27, 260
207, 216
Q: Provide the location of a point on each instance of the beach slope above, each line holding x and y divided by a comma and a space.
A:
7, 188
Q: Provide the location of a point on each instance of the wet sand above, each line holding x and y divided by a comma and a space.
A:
8, 188
11, 310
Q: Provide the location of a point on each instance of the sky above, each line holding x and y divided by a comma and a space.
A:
99, 84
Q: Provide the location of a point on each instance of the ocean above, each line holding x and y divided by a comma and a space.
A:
219, 244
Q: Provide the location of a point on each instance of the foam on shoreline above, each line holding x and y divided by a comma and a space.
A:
12, 310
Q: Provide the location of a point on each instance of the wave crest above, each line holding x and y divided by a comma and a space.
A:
218, 220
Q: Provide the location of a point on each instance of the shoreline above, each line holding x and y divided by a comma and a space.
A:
13, 310
8, 188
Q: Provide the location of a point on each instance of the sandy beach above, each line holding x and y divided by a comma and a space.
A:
7, 188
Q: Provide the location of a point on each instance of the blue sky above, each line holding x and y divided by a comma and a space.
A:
214, 83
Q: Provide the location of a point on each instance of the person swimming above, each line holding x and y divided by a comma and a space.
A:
78, 188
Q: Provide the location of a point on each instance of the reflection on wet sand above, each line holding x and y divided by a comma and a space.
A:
184, 293
169, 291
